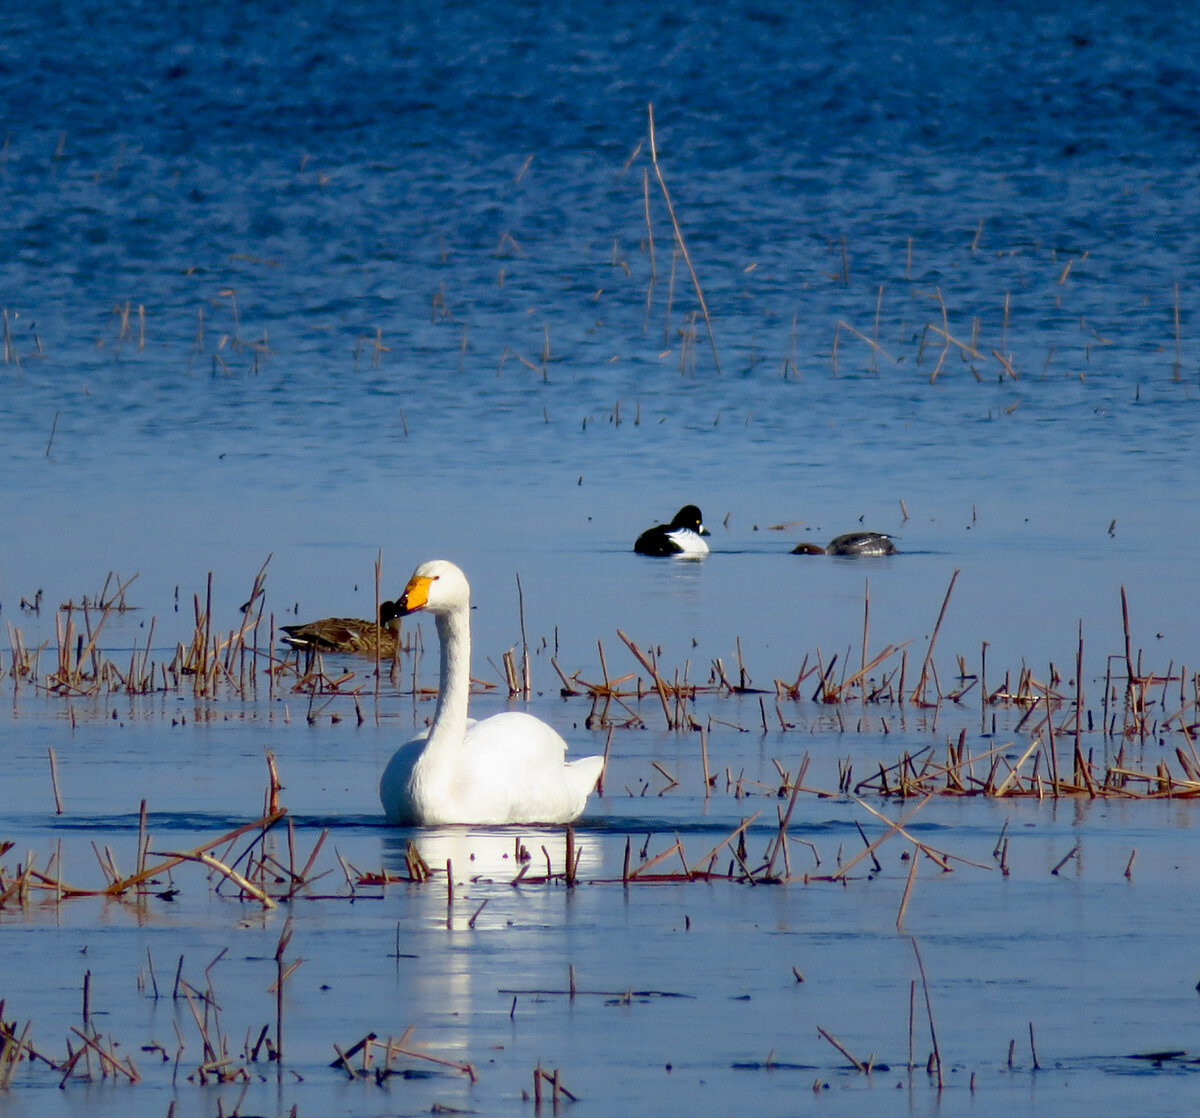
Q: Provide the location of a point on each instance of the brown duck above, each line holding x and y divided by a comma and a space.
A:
348, 634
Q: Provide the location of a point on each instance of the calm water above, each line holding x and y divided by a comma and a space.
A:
324, 282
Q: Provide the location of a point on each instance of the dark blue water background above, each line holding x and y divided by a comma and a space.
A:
319, 281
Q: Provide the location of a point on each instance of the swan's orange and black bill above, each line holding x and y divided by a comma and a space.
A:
415, 596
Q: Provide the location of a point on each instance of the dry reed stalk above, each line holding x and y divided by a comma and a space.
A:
671, 781
418, 868
1006, 364
109, 1061
648, 664
918, 694
675, 848
894, 828
526, 684
281, 973
604, 766
912, 877
650, 246
939, 858
834, 694
866, 624
876, 348
58, 810
227, 872
11, 1048
509, 675
858, 1065
143, 846
274, 787
937, 1055
1012, 773
780, 839
679, 237
569, 687
1065, 859
124, 884
379, 628
556, 1086
400, 1047
950, 340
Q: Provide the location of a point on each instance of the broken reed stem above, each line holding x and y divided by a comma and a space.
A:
858, 1065
866, 624
650, 247
1066, 858
918, 695
1129, 676
893, 829
1079, 764
525, 684
937, 1056
912, 1016
659, 685
227, 871
876, 348
912, 877
679, 237
172, 860
378, 625
58, 810
281, 973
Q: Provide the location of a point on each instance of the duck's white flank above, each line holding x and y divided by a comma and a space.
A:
688, 542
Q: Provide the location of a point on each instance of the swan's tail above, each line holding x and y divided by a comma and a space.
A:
583, 775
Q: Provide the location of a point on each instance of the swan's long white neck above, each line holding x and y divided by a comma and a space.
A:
454, 683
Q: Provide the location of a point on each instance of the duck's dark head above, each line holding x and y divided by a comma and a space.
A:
689, 517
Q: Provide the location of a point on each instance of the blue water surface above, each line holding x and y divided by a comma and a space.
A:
327, 282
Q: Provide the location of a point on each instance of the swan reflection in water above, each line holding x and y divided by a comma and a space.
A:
491, 854
455, 956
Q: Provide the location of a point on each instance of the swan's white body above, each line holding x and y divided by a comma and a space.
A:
510, 768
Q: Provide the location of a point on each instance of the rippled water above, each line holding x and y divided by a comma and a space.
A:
320, 282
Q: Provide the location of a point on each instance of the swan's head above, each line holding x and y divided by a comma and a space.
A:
437, 586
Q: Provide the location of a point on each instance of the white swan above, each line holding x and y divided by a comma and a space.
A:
509, 768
